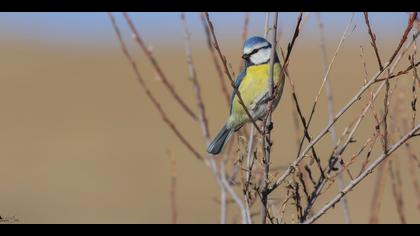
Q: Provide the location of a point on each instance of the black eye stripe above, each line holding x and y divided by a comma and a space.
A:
256, 50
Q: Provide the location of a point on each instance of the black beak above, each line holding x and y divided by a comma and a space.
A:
245, 56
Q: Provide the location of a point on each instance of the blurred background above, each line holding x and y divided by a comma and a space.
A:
81, 143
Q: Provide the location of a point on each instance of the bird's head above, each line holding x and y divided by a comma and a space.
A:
256, 50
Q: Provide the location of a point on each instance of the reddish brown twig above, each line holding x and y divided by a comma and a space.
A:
218, 173
369, 152
202, 118
385, 136
413, 162
323, 179
361, 177
411, 19
331, 112
215, 62
283, 206
356, 98
373, 40
283, 74
385, 116
413, 91
226, 69
266, 144
327, 71
162, 76
372, 98
149, 93
398, 74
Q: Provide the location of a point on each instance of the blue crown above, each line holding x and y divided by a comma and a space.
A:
255, 42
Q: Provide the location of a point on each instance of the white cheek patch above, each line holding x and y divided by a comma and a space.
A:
258, 45
262, 56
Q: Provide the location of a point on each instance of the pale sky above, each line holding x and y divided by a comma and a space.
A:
94, 29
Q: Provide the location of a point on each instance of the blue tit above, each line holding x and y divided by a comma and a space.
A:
252, 84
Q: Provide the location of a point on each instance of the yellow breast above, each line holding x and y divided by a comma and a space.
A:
254, 85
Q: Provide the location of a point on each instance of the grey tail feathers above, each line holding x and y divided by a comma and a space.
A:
216, 146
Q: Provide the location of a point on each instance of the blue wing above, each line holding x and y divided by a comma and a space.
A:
237, 84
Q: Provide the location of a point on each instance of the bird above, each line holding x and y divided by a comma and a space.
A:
252, 84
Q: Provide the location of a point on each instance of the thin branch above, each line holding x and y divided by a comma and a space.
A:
396, 185
373, 40
293, 165
322, 180
249, 165
411, 19
361, 177
266, 144
328, 90
150, 94
219, 175
328, 69
162, 76
330, 104
235, 197
244, 35
202, 118
214, 59
226, 69
292, 86
385, 115
373, 96
412, 160
266, 24
172, 192
378, 193
413, 91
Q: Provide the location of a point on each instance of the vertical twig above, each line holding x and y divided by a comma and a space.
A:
374, 79
385, 116
149, 93
360, 178
267, 24
202, 118
159, 71
219, 174
249, 165
333, 159
174, 212
413, 88
244, 36
226, 69
328, 69
412, 160
396, 185
214, 59
268, 124
380, 181
378, 193
331, 112
373, 96
373, 40
235, 197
